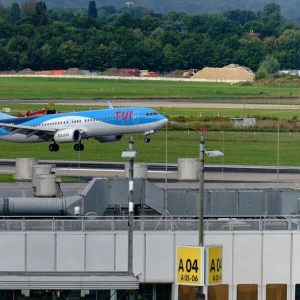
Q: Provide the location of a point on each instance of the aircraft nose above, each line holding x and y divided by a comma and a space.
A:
164, 121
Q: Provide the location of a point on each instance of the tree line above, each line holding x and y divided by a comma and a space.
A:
98, 38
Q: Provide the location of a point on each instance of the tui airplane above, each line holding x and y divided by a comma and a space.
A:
104, 125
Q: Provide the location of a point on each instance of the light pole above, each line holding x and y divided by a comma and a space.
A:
201, 189
210, 153
130, 154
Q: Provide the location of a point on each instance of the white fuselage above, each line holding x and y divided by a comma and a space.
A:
91, 125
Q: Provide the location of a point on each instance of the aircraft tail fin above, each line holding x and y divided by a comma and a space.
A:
5, 116
109, 105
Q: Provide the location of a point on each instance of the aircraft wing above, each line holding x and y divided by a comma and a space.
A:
28, 130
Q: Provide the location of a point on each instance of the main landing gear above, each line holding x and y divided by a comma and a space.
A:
53, 147
78, 147
147, 139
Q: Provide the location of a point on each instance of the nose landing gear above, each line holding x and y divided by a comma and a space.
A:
146, 138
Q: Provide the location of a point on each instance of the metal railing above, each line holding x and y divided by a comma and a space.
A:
147, 224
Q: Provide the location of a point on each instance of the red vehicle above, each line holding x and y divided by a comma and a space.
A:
40, 112
132, 71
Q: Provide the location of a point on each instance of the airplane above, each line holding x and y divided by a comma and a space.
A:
104, 125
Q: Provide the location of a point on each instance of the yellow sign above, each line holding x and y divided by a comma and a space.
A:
214, 264
190, 265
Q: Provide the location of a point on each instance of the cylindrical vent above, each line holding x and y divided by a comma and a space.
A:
40, 170
76, 210
2, 206
139, 170
24, 168
45, 185
188, 169
35, 206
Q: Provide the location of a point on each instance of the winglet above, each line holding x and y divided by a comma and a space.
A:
109, 105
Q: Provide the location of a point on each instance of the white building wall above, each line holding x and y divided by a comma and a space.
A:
160, 254
70, 252
12, 249
102, 242
249, 257
276, 255
39, 246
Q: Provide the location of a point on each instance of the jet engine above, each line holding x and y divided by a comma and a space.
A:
109, 138
67, 135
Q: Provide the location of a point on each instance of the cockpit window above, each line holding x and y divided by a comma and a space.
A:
151, 114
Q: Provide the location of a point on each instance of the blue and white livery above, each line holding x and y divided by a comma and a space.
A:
105, 125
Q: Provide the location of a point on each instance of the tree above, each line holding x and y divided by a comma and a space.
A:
169, 58
2, 10
116, 56
269, 10
32, 18
148, 24
108, 10
287, 49
41, 11
250, 53
101, 54
270, 65
241, 16
169, 37
18, 44
5, 59
15, 12
188, 53
194, 23
69, 53
124, 20
6, 29
174, 20
92, 10
261, 72
41, 8
150, 52
27, 6
256, 26
220, 27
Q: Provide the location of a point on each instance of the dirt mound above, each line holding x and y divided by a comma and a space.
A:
73, 71
231, 72
11, 72
115, 72
176, 74
27, 72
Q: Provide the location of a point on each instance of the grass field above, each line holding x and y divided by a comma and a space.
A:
246, 148
56, 88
